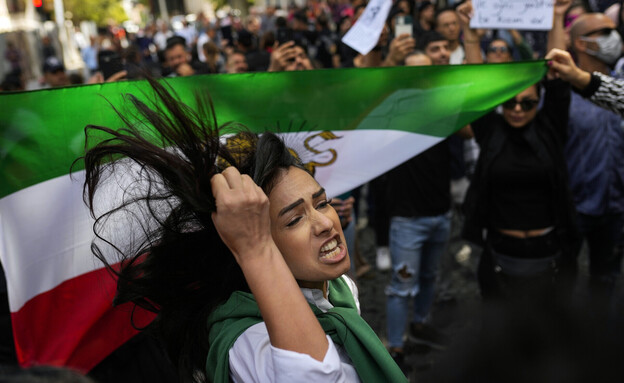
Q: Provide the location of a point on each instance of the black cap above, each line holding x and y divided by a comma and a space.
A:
52, 64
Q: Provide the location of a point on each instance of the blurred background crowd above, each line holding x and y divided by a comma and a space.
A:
45, 44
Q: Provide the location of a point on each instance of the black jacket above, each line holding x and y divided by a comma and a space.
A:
546, 134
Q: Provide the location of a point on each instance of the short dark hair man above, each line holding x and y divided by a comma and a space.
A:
236, 63
436, 47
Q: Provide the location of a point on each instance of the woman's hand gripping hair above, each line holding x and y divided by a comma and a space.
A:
242, 216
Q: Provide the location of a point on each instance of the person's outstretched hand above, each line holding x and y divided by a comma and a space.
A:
281, 56
562, 66
465, 11
561, 6
98, 77
400, 47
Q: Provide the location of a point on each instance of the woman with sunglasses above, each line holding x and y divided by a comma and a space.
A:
518, 205
499, 50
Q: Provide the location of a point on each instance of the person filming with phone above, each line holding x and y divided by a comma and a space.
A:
289, 56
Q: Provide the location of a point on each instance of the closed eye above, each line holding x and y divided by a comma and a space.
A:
324, 204
293, 222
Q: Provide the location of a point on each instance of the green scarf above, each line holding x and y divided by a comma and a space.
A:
342, 323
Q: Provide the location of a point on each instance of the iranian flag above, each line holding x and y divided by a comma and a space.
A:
346, 125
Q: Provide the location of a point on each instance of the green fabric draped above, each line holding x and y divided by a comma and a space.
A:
342, 323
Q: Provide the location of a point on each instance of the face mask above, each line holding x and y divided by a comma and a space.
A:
609, 47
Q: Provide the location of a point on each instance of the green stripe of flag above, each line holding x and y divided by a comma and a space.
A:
42, 132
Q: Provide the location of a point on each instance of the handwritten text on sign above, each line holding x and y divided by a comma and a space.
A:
513, 14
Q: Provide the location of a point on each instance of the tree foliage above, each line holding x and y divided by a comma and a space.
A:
99, 11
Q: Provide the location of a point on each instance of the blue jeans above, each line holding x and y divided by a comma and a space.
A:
416, 246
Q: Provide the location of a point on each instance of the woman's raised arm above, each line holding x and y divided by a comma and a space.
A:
242, 220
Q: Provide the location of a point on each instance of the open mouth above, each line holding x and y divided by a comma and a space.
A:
332, 251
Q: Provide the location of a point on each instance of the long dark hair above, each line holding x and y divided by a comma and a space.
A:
157, 237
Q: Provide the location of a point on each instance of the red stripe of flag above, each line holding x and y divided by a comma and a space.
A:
74, 324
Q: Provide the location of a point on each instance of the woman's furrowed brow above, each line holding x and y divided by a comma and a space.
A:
290, 207
318, 193
299, 202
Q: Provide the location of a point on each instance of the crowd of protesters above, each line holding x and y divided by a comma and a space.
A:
534, 179
262, 41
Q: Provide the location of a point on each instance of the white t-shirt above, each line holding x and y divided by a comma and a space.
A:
457, 56
254, 359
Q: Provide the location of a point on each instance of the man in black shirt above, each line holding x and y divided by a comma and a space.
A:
419, 199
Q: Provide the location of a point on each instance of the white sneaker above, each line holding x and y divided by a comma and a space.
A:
463, 255
383, 258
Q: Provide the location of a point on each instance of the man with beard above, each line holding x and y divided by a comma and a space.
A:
436, 46
178, 60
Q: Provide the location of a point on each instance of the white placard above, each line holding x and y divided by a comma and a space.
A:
513, 14
363, 36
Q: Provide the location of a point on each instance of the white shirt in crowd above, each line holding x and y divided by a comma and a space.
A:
457, 56
160, 39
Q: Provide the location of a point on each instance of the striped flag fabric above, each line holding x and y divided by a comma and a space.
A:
347, 126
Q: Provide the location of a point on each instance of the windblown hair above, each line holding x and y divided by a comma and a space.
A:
166, 252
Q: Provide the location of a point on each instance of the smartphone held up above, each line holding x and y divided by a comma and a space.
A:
403, 25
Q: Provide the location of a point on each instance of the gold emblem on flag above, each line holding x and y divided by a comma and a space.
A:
313, 151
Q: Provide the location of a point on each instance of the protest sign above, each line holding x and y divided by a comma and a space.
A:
513, 14
363, 36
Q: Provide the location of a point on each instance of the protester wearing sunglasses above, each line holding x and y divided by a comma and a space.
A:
498, 52
521, 109
518, 205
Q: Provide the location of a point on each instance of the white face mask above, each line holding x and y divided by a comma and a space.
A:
609, 47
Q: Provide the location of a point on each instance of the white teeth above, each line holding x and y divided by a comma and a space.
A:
331, 254
330, 249
329, 245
